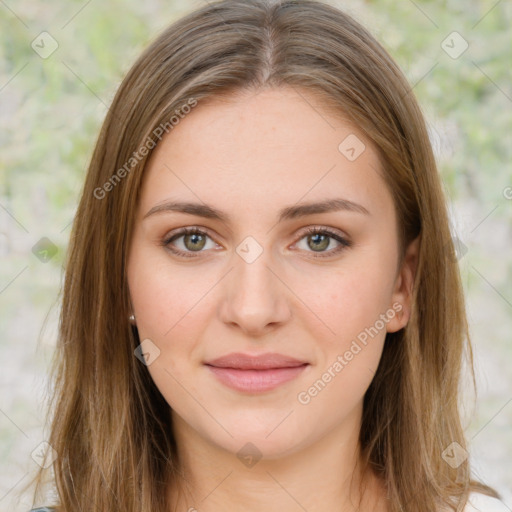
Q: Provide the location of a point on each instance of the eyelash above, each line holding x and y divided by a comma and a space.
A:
344, 243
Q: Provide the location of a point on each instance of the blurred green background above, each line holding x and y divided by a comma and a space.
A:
55, 89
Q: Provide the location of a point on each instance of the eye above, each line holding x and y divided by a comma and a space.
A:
318, 239
194, 240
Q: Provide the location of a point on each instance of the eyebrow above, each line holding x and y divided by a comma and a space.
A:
288, 213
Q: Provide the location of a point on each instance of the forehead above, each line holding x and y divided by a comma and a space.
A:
257, 151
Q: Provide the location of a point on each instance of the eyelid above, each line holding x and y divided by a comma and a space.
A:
343, 240
176, 233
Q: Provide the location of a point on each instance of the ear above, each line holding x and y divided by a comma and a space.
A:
402, 293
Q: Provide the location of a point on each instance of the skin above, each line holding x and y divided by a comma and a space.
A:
250, 155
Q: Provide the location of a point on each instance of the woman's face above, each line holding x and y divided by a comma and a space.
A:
255, 281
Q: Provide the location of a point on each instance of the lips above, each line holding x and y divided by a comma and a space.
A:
255, 374
267, 361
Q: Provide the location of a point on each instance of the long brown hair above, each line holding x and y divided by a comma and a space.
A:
110, 426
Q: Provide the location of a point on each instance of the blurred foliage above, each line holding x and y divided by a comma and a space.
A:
474, 91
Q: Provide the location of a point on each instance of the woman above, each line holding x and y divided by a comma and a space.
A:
262, 307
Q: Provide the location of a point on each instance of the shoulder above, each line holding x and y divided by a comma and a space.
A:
481, 503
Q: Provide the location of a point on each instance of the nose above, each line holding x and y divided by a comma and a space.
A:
254, 298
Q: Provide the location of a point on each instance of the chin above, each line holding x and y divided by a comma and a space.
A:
268, 439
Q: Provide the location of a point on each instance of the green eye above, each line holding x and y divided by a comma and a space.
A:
194, 240
319, 239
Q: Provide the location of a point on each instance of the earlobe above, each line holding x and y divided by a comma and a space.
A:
404, 285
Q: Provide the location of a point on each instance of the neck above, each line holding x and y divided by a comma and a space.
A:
324, 476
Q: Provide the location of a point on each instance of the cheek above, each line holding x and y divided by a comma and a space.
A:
162, 296
167, 304
346, 301
351, 306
